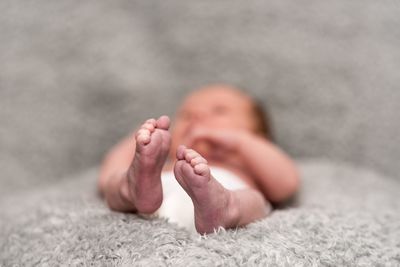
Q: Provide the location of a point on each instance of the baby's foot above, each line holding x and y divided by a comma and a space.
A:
214, 205
152, 146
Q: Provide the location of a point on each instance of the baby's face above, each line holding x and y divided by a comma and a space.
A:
216, 107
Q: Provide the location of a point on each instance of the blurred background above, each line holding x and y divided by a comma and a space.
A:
76, 76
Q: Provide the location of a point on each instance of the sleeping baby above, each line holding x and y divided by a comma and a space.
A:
216, 168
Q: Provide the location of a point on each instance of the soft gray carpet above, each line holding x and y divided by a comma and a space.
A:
343, 217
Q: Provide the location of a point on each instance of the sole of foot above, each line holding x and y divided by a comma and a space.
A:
153, 141
214, 205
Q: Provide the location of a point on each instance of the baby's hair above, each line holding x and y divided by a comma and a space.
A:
263, 120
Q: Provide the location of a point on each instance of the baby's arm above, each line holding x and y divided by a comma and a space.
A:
273, 171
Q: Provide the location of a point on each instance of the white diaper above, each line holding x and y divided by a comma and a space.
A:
177, 205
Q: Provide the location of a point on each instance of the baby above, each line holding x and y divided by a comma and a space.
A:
219, 154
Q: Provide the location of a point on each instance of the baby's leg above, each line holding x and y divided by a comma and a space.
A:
139, 188
215, 205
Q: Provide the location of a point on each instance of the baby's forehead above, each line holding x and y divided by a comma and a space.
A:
218, 96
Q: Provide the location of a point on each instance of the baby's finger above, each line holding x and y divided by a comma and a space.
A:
212, 136
198, 135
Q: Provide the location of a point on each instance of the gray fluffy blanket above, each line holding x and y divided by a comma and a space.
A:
343, 216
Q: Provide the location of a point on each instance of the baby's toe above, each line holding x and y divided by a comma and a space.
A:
163, 122
180, 152
151, 121
202, 169
148, 126
143, 136
198, 160
191, 154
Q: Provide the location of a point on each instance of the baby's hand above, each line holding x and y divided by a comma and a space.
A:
216, 143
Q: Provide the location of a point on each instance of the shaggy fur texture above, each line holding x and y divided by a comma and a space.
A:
342, 217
